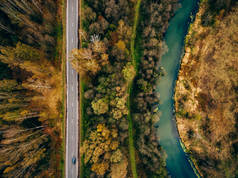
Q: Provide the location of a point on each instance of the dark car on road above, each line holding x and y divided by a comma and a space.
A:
74, 160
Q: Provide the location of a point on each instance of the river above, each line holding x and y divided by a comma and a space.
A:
177, 161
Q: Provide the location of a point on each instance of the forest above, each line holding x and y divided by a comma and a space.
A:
31, 108
121, 45
207, 88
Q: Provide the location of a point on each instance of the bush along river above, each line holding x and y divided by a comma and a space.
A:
178, 162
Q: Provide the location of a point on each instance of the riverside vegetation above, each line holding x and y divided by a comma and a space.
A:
118, 62
206, 94
30, 88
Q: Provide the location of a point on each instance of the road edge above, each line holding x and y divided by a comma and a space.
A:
81, 99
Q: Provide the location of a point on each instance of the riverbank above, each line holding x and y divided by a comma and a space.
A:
204, 97
150, 47
177, 162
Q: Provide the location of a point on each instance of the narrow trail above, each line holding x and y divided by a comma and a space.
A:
133, 37
130, 87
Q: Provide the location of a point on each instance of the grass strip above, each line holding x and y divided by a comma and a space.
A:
130, 89
82, 88
62, 38
82, 132
133, 37
131, 141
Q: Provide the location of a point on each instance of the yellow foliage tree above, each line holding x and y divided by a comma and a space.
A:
129, 72
100, 168
98, 147
100, 106
121, 45
89, 60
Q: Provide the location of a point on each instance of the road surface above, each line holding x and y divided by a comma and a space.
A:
72, 129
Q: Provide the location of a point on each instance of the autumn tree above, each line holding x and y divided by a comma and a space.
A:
88, 61
21, 150
100, 106
129, 72
35, 21
101, 149
29, 97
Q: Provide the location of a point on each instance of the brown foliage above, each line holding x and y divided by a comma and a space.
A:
205, 91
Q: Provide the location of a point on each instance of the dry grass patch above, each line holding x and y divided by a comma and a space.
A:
206, 95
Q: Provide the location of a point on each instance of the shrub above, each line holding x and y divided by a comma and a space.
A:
100, 106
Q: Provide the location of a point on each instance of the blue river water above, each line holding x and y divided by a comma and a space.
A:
177, 160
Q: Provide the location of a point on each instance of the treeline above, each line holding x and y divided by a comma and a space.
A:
105, 63
150, 46
30, 94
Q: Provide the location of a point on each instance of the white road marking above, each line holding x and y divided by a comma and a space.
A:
72, 114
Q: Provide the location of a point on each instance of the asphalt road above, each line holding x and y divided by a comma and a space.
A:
72, 129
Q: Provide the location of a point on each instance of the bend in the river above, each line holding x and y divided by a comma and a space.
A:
177, 161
